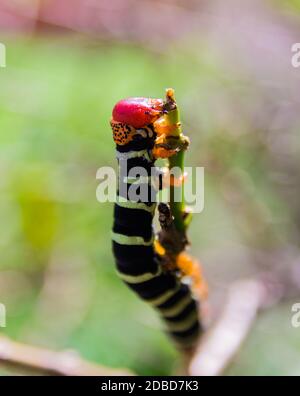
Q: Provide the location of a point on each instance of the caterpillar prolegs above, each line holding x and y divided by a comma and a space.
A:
138, 263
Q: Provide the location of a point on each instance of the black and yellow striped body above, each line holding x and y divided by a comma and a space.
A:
138, 265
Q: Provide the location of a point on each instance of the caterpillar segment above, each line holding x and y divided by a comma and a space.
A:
138, 263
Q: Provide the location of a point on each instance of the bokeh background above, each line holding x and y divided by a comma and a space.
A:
68, 62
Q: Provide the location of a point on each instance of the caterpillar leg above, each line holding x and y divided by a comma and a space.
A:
191, 268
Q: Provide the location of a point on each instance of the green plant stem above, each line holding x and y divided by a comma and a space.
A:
177, 160
177, 207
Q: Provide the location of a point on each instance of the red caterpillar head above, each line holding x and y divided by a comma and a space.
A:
137, 112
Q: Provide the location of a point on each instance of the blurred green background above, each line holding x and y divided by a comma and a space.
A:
239, 101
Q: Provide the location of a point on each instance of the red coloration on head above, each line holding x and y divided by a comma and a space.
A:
138, 112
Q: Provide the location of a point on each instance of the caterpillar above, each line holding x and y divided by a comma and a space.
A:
138, 262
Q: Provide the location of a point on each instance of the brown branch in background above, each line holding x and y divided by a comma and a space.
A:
49, 362
219, 345
245, 300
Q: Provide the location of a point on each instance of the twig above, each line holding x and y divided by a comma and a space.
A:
245, 300
219, 345
67, 363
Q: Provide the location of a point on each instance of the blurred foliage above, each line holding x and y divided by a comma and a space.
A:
292, 5
57, 272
